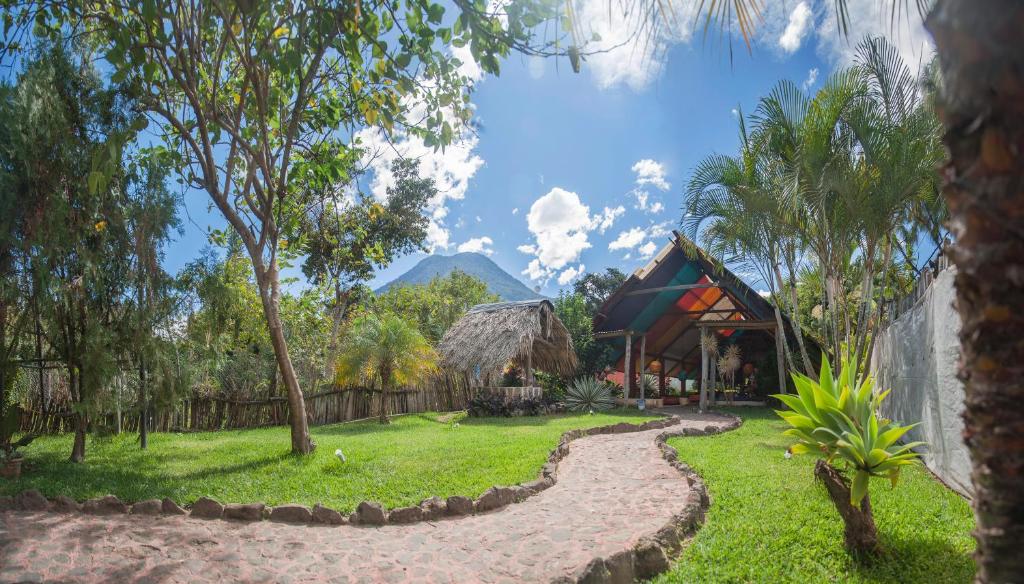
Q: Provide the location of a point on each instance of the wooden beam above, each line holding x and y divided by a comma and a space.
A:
627, 379
670, 288
737, 324
614, 334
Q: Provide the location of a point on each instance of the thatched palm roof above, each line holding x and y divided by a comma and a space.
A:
489, 336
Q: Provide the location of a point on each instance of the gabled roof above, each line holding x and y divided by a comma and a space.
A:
668, 298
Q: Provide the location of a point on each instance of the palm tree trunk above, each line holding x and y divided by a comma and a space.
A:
794, 317
859, 534
982, 61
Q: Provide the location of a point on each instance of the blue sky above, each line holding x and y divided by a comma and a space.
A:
571, 173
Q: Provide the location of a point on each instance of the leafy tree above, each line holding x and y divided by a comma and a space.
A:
384, 351
436, 306
78, 257
346, 240
251, 96
596, 287
573, 311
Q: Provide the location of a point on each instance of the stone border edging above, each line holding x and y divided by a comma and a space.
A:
368, 513
652, 555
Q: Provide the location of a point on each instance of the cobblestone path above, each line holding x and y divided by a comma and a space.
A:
612, 490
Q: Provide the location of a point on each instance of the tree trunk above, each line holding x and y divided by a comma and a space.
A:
337, 317
78, 448
143, 431
982, 108
270, 294
860, 535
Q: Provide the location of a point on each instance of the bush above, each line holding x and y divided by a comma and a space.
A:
553, 387
589, 394
494, 404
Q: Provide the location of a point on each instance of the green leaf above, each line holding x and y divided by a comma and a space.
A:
859, 488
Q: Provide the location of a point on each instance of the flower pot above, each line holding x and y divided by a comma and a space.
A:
11, 469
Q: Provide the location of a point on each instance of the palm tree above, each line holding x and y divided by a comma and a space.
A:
384, 351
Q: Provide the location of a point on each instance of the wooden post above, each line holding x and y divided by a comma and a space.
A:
703, 401
528, 374
714, 381
627, 379
661, 377
642, 369
780, 363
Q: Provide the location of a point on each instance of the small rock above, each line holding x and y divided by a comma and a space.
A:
594, 573
206, 508
538, 485
169, 507
6, 503
291, 514
326, 515
433, 508
494, 498
370, 513
108, 505
711, 429
405, 515
620, 567
31, 500
64, 504
147, 507
669, 538
549, 469
458, 505
244, 512
650, 559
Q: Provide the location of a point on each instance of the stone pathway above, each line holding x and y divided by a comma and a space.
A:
612, 490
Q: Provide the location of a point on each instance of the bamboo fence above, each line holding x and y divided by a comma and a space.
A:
444, 393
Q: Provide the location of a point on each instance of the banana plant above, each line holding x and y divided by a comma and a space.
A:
839, 419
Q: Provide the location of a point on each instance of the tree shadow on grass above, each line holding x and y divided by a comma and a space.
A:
915, 559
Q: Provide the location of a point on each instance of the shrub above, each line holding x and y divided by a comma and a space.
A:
838, 419
494, 404
586, 394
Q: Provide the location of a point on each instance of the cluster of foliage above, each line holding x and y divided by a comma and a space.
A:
577, 310
831, 189
587, 394
384, 351
488, 404
433, 308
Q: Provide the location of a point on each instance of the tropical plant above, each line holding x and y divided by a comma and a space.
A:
651, 385
838, 419
729, 363
587, 394
384, 351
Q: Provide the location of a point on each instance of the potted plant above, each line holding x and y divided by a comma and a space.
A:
10, 458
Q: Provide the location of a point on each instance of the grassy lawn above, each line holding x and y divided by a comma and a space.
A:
400, 464
770, 522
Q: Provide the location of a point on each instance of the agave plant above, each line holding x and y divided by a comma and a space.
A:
588, 394
839, 420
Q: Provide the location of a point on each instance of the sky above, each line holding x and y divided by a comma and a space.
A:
568, 173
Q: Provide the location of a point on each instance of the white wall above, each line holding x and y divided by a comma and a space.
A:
916, 356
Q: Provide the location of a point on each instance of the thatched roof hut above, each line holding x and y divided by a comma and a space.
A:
490, 336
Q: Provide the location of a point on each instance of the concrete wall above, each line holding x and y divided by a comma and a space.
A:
916, 356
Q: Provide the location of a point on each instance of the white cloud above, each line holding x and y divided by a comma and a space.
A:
535, 66
477, 245
626, 53
641, 199
451, 169
569, 274
647, 250
559, 222
628, 239
799, 23
874, 18
527, 248
650, 172
515, 211
606, 218
657, 207
812, 78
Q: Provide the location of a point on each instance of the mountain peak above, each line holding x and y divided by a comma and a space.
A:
498, 280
